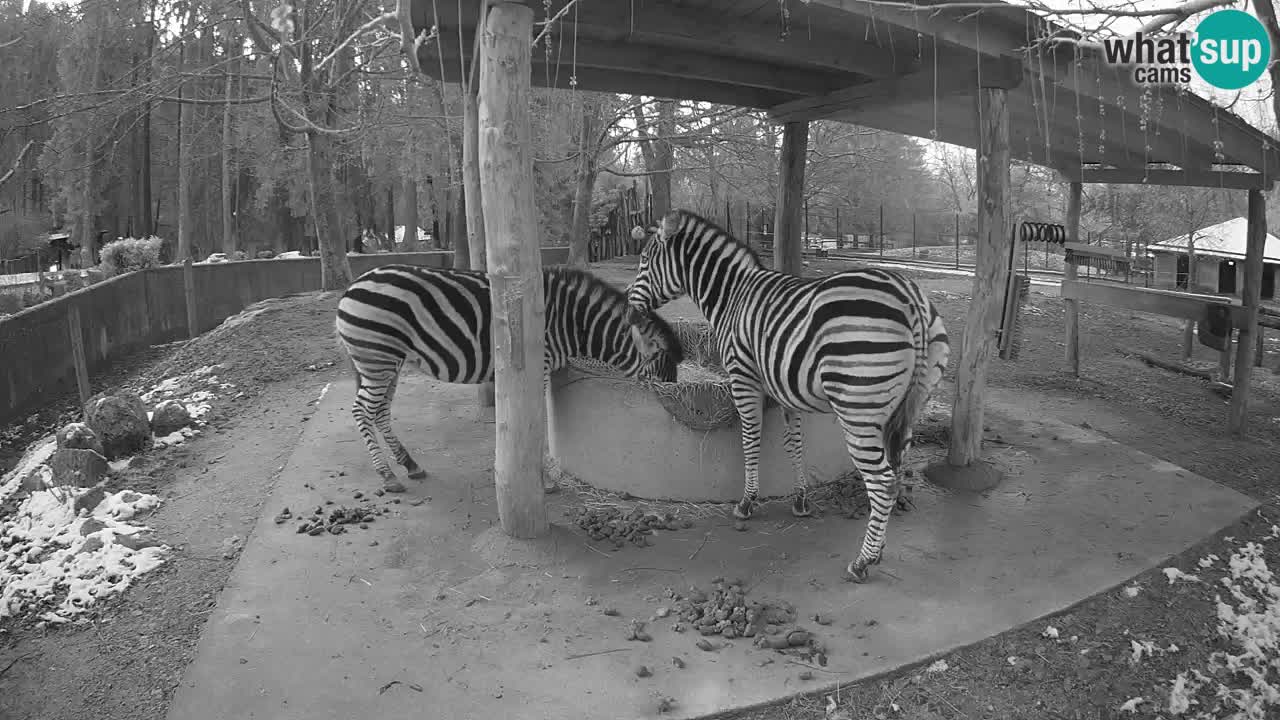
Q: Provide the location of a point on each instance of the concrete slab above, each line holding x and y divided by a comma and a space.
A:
473, 626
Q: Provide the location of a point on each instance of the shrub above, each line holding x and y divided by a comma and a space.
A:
130, 254
10, 303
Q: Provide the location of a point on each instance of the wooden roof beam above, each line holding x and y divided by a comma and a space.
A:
1189, 178
678, 27
618, 81
676, 64
921, 86
989, 35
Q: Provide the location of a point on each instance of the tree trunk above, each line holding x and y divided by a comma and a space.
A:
474, 205
186, 124
992, 246
1267, 14
458, 229
409, 197
515, 268
228, 218
787, 229
1251, 296
335, 271
580, 232
391, 218
659, 154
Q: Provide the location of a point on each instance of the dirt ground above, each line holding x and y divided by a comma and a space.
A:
126, 661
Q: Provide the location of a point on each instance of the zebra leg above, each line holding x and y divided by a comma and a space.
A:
866, 449
750, 405
905, 500
370, 397
383, 420
794, 440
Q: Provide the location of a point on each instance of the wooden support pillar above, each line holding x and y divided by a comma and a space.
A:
471, 192
1069, 273
991, 270
788, 213
514, 267
1251, 294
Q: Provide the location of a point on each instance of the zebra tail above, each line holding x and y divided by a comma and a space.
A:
932, 354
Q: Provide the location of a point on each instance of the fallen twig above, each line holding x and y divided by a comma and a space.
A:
1166, 365
598, 652
705, 537
13, 662
386, 687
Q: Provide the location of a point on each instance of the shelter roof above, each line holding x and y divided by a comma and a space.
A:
886, 66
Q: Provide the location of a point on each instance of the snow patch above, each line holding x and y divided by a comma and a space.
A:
1243, 680
50, 561
323, 391
1174, 574
1132, 591
1050, 632
938, 666
1131, 705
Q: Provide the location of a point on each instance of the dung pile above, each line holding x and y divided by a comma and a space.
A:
619, 527
335, 521
726, 611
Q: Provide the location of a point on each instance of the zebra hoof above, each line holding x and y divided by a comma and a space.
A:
856, 572
800, 506
393, 486
418, 474
744, 509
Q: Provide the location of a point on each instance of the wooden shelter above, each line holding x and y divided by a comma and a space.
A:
999, 79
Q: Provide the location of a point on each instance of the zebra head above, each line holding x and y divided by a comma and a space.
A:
657, 347
658, 281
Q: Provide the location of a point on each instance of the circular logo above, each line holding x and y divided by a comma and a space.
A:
1232, 49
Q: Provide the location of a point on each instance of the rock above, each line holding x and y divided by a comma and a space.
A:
88, 501
120, 420
79, 436
169, 416
231, 546
90, 545
643, 671
91, 526
77, 468
137, 541
38, 478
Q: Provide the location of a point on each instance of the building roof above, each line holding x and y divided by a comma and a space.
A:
1226, 239
879, 65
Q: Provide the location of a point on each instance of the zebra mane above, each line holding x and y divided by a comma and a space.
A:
689, 221
616, 301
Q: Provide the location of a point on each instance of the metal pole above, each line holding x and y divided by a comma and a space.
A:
839, 237
881, 229
913, 236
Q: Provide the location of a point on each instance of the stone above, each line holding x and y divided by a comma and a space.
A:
120, 420
88, 501
90, 545
91, 526
77, 468
137, 541
169, 416
79, 436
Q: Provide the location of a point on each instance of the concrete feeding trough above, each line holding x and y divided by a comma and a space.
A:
676, 441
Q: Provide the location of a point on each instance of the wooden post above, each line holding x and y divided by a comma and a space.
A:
514, 267
1224, 359
77, 353
991, 270
786, 220
189, 291
1259, 351
957, 241
1069, 273
1251, 295
881, 229
471, 191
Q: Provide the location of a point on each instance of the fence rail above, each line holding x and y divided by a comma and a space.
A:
148, 307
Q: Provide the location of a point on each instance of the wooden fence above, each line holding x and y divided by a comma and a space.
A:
148, 307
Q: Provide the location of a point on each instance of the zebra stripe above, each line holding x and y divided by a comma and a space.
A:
441, 321
865, 345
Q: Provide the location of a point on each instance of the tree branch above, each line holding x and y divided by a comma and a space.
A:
17, 162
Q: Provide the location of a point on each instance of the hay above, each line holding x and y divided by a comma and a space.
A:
700, 398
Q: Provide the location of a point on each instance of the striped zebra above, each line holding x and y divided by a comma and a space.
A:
440, 320
866, 345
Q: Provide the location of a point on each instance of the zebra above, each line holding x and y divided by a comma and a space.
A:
864, 344
441, 319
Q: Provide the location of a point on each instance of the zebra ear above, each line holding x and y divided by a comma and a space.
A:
670, 224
